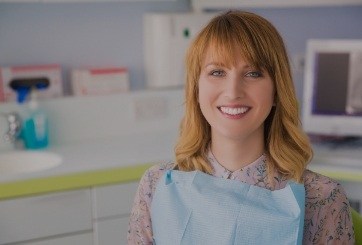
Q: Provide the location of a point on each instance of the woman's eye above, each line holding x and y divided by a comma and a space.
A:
217, 73
254, 74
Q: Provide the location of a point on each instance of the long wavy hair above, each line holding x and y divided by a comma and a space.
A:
287, 147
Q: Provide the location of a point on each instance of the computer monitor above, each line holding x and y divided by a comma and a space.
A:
332, 99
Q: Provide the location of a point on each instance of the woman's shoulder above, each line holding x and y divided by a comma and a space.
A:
152, 175
156, 171
324, 193
320, 186
328, 207
316, 179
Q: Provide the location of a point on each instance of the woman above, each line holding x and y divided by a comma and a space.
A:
241, 124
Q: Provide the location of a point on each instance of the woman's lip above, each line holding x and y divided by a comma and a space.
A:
233, 106
234, 112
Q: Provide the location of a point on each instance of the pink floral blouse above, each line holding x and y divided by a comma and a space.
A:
327, 215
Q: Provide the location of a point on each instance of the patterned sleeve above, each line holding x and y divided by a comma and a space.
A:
328, 219
140, 229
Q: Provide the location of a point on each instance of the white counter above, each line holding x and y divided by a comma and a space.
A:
106, 154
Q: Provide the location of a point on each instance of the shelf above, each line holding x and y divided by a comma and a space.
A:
80, 1
199, 5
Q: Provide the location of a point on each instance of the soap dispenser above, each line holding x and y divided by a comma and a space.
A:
35, 122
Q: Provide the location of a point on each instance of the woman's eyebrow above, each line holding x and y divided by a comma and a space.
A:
220, 64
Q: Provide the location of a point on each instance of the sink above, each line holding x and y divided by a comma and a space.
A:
18, 162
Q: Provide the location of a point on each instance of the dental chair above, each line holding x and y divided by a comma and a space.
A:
357, 224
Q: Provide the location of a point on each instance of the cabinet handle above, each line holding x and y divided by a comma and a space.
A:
56, 197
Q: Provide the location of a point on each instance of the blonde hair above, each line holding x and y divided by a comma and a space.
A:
287, 147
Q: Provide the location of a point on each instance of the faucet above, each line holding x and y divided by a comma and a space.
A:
15, 125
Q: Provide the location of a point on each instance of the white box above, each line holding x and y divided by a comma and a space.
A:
166, 39
52, 72
100, 81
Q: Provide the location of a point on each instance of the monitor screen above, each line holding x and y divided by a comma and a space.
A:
332, 101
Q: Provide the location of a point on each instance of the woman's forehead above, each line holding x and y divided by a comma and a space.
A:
224, 57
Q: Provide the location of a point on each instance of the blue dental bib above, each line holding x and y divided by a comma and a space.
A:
196, 208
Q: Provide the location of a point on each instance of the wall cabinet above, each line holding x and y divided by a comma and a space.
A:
78, 1
200, 5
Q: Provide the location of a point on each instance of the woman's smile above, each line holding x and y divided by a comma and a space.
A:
234, 112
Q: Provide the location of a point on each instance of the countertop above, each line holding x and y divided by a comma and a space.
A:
91, 163
343, 162
106, 161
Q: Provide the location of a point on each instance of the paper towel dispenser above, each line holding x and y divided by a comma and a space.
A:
166, 39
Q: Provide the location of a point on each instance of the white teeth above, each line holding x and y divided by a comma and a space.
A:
234, 111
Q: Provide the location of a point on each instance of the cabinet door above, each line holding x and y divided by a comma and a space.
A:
80, 239
114, 199
112, 207
112, 231
44, 216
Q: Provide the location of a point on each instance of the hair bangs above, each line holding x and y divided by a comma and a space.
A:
228, 42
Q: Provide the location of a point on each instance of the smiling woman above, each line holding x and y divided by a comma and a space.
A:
240, 174
253, 50
235, 101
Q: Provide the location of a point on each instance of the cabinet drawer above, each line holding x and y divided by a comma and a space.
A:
80, 239
112, 231
46, 215
114, 199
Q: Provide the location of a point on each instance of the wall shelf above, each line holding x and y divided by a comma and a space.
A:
200, 5
80, 1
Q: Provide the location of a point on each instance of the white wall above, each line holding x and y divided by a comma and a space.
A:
78, 34
90, 34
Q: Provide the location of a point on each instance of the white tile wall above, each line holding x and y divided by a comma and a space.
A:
90, 118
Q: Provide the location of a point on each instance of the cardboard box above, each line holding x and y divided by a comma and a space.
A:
100, 81
52, 72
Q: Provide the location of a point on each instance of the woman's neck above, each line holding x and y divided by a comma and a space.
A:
235, 154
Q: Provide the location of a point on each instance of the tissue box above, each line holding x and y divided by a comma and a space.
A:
99, 81
51, 72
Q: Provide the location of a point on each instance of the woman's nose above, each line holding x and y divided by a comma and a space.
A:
234, 88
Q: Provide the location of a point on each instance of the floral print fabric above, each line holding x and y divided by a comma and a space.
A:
327, 212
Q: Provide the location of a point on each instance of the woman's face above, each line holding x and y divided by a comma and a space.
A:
235, 100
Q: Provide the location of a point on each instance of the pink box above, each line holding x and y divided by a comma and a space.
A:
99, 81
52, 72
